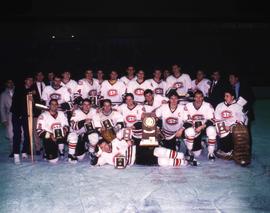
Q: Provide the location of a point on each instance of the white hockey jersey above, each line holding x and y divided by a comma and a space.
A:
172, 121
114, 92
126, 80
229, 114
131, 116
182, 83
204, 113
78, 115
87, 89
137, 89
61, 95
48, 123
71, 86
204, 85
159, 88
119, 147
115, 117
158, 101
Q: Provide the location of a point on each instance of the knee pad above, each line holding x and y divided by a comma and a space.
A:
93, 139
190, 133
72, 137
211, 132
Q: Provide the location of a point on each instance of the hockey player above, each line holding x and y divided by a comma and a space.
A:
85, 125
100, 76
179, 81
113, 89
69, 83
201, 83
52, 127
108, 152
58, 92
170, 158
227, 114
130, 75
199, 122
152, 102
138, 86
171, 117
158, 85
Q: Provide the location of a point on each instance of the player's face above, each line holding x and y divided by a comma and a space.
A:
130, 70
107, 107
29, 82
100, 74
173, 100
129, 101
149, 97
105, 147
10, 84
57, 82
216, 76
198, 98
50, 76
66, 75
88, 74
53, 106
233, 80
175, 69
166, 73
140, 74
157, 74
199, 75
228, 98
86, 106
113, 75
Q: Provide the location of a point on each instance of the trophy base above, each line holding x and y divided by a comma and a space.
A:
149, 142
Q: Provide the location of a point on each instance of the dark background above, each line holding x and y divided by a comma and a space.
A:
111, 35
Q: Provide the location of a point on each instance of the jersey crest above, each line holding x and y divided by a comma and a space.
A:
171, 121
226, 114
131, 118
139, 91
112, 92
159, 91
56, 96
178, 85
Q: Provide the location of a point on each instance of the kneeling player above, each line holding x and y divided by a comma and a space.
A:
199, 122
52, 127
227, 114
167, 157
85, 124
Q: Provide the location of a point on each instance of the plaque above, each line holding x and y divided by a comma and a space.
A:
107, 124
120, 162
221, 127
58, 133
149, 131
93, 101
127, 134
89, 128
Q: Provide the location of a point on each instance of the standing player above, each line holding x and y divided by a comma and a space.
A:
227, 114
158, 85
201, 83
113, 89
179, 81
69, 83
137, 87
84, 129
130, 75
199, 122
52, 127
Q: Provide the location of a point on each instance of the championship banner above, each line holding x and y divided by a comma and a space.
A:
149, 131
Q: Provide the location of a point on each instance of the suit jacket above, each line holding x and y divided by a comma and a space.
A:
5, 104
216, 96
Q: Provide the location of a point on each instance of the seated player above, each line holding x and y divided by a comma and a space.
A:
118, 147
152, 102
84, 131
227, 114
52, 127
199, 122
170, 158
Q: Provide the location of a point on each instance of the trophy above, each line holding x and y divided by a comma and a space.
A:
221, 127
108, 134
120, 162
149, 131
89, 127
93, 100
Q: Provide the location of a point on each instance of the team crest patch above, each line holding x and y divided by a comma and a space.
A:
171, 121
131, 118
226, 114
56, 96
112, 92
139, 91
178, 85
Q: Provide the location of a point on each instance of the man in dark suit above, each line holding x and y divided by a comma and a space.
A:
217, 89
38, 88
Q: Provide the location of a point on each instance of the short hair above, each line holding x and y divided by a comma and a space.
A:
172, 92
230, 90
106, 101
198, 92
53, 100
57, 76
147, 91
86, 100
128, 94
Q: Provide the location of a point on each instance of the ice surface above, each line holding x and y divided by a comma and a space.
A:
221, 186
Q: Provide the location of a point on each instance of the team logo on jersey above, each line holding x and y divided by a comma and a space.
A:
92, 92
159, 91
139, 91
56, 96
56, 126
112, 92
197, 117
171, 121
226, 114
131, 118
178, 85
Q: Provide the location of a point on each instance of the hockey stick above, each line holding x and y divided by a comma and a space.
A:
29, 99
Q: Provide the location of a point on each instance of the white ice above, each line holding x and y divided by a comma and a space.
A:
220, 186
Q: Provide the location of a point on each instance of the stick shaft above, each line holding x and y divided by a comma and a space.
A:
30, 122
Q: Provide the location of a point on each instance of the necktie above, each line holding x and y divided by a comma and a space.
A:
213, 85
41, 88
